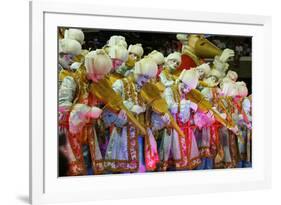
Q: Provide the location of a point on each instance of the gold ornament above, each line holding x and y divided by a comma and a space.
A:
152, 96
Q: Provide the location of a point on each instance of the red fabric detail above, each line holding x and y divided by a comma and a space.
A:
160, 69
92, 100
238, 103
151, 159
215, 132
186, 63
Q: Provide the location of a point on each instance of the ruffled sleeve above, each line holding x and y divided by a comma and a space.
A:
67, 93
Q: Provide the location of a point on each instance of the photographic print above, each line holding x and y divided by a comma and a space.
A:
144, 101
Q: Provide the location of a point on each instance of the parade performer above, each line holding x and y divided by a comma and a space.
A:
167, 76
135, 54
183, 149
77, 110
71, 55
243, 120
118, 55
228, 137
207, 125
159, 59
128, 149
68, 49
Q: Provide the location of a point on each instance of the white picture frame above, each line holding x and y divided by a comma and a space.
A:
46, 187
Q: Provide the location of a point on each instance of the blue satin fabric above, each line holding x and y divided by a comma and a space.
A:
207, 163
244, 164
141, 150
87, 159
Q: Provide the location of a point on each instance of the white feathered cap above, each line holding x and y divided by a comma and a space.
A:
136, 49
74, 34
98, 62
205, 67
232, 75
69, 46
229, 89
84, 52
117, 40
174, 56
157, 57
242, 88
118, 52
216, 73
182, 37
190, 78
146, 66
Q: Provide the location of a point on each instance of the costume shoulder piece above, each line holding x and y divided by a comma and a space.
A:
113, 77
82, 82
63, 73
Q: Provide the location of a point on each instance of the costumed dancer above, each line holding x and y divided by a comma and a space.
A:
172, 61
159, 59
77, 35
231, 77
228, 137
135, 54
207, 125
182, 150
77, 110
128, 149
244, 122
202, 71
68, 49
118, 55
71, 54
